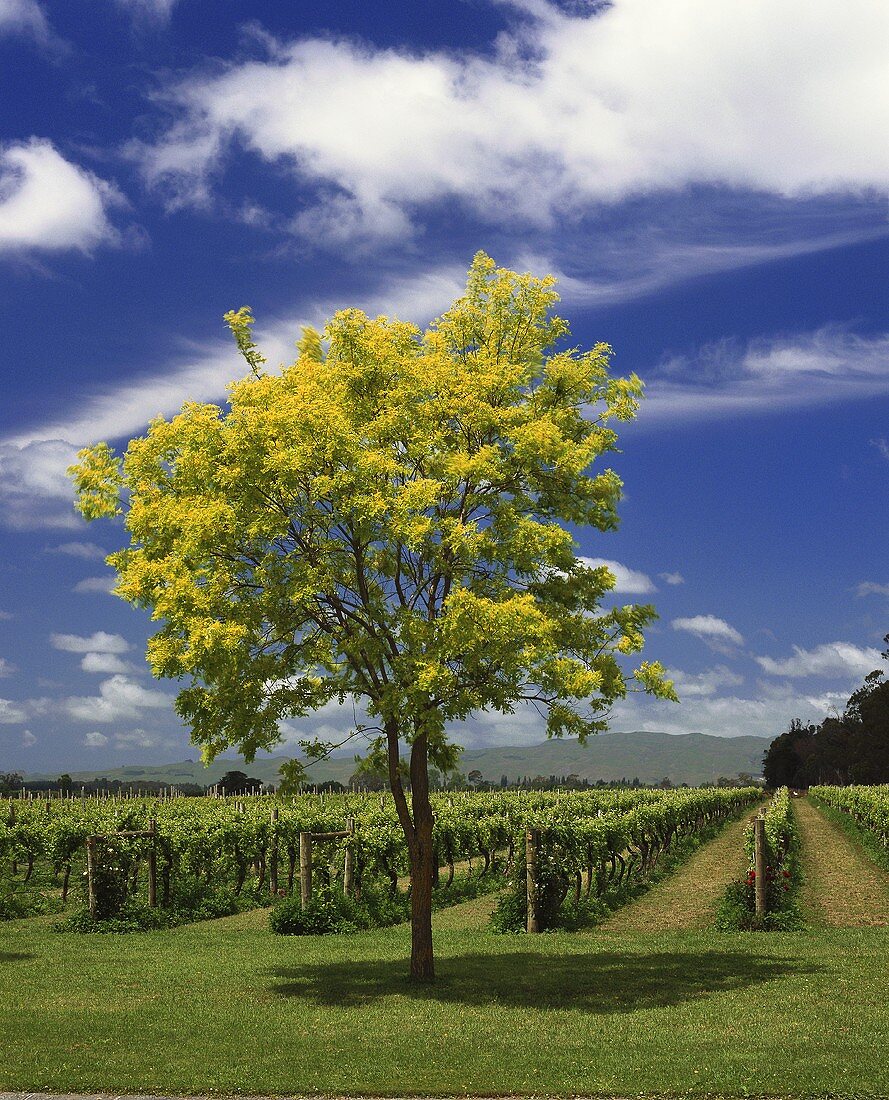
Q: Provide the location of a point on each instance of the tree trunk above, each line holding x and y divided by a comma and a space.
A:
417, 825
422, 866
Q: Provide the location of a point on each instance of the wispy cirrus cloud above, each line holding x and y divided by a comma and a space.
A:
94, 585
35, 490
154, 10
731, 377
88, 551
872, 588
23, 17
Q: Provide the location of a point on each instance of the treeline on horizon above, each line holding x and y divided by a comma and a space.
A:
239, 783
852, 747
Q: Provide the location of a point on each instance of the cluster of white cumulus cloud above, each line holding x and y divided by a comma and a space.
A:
572, 109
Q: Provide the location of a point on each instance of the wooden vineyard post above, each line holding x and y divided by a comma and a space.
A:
273, 854
349, 861
91, 874
305, 868
152, 864
532, 838
759, 864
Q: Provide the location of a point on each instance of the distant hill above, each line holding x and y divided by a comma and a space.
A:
693, 758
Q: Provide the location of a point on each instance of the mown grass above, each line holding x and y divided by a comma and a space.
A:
228, 1007
842, 886
688, 898
858, 834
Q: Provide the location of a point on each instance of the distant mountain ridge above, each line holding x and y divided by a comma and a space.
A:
693, 758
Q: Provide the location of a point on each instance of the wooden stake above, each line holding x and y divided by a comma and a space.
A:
759, 864
273, 854
305, 868
91, 874
532, 837
349, 861
152, 865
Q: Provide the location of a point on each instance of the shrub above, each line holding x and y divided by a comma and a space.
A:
329, 910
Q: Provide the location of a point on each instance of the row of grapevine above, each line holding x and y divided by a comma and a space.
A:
599, 854
868, 805
225, 844
765, 899
780, 832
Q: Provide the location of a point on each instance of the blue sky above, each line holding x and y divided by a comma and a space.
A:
709, 183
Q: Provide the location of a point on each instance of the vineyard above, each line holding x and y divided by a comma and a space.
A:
869, 806
206, 857
625, 1008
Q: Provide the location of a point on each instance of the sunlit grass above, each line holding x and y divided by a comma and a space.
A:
229, 1007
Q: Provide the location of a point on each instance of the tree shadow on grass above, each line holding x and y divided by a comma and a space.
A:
607, 982
16, 956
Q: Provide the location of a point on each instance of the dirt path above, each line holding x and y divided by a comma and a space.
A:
842, 887
688, 898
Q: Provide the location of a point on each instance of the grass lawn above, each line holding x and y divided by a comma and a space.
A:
227, 1006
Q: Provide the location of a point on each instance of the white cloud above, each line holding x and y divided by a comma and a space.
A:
577, 109
28, 739
100, 642
882, 446
6, 669
104, 662
11, 713
872, 588
96, 584
704, 684
628, 581
23, 17
95, 740
831, 659
619, 265
148, 9
715, 632
49, 204
142, 739
35, 491
119, 699
727, 378
89, 551
672, 578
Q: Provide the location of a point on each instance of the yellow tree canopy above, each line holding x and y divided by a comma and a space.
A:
387, 518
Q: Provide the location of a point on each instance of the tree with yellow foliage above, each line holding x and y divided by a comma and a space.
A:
386, 520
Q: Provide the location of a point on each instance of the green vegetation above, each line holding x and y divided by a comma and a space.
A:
611, 1012
842, 885
587, 868
390, 519
230, 1007
849, 748
866, 824
211, 857
737, 912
